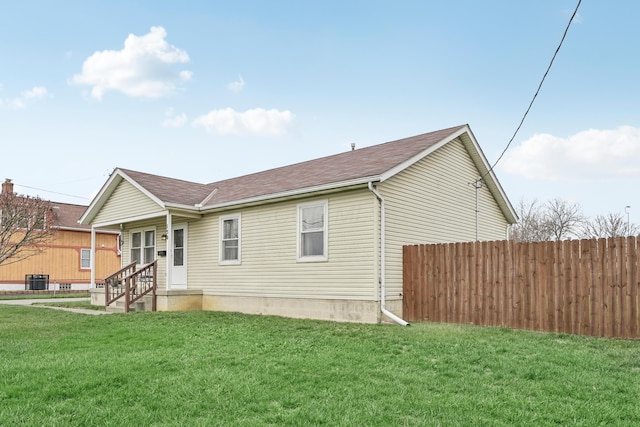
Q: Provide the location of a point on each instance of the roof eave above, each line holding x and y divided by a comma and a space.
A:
297, 193
85, 230
494, 185
100, 199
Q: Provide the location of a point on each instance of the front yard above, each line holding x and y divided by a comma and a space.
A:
205, 368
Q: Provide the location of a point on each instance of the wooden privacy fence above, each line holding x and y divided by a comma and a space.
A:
587, 287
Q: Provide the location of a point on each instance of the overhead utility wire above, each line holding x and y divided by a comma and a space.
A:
53, 192
537, 91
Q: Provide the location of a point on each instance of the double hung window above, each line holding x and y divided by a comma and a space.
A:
143, 246
230, 239
85, 259
312, 231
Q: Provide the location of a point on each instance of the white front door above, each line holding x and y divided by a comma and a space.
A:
179, 256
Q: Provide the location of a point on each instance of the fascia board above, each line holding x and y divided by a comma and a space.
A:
85, 230
294, 193
407, 163
183, 210
494, 179
100, 199
131, 219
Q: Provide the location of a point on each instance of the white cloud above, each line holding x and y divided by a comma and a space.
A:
591, 154
26, 97
174, 120
237, 85
143, 68
36, 92
257, 121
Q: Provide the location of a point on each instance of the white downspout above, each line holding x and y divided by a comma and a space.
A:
169, 249
383, 288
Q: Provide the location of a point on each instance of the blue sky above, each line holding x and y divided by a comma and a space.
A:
210, 90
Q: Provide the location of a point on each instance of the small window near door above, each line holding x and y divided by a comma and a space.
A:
143, 246
85, 259
230, 232
136, 246
178, 247
149, 246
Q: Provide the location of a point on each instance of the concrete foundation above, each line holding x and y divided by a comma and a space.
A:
337, 310
179, 300
301, 308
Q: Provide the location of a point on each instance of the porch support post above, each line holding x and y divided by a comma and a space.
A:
169, 248
93, 257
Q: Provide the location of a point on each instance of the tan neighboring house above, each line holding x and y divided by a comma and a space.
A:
320, 239
64, 262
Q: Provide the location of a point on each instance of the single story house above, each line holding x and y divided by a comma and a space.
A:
319, 239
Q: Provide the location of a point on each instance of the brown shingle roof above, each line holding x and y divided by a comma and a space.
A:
67, 215
171, 190
352, 165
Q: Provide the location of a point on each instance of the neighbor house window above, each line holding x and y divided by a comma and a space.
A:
85, 259
143, 246
230, 233
312, 231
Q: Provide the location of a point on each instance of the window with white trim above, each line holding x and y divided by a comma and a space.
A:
312, 231
85, 259
230, 239
143, 246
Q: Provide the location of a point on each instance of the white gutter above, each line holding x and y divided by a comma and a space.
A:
383, 289
290, 193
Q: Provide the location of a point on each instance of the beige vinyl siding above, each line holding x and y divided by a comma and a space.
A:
433, 202
270, 267
126, 202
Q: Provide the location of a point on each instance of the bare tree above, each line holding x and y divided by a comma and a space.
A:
557, 219
531, 227
26, 223
610, 225
564, 219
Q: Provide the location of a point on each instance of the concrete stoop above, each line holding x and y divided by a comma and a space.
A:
144, 304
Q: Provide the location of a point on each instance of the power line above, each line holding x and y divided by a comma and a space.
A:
52, 192
537, 91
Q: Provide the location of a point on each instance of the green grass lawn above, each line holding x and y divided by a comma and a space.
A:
46, 296
73, 304
204, 368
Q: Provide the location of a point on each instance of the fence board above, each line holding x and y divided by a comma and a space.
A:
633, 285
624, 294
567, 289
557, 287
611, 285
587, 287
593, 289
602, 286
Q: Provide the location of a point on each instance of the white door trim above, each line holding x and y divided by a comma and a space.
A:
179, 273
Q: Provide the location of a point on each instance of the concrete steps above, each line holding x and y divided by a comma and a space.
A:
144, 304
